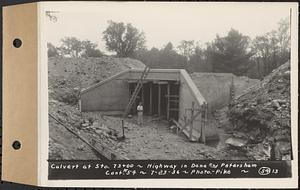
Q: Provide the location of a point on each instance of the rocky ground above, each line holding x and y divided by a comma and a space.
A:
153, 140
261, 117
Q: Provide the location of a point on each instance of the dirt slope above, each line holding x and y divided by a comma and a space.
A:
68, 76
262, 116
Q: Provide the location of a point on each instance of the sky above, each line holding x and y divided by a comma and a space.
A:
164, 22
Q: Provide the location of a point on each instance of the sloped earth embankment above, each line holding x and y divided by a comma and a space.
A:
261, 117
68, 76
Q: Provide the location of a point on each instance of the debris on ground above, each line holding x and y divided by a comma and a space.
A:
236, 142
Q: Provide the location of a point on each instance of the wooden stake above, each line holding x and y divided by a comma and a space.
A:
123, 131
135, 105
150, 102
205, 122
130, 93
168, 101
202, 122
185, 120
159, 100
143, 93
192, 122
204, 111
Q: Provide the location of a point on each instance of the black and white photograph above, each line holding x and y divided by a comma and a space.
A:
111, 94
167, 84
170, 81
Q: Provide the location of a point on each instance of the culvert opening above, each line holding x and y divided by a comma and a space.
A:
159, 98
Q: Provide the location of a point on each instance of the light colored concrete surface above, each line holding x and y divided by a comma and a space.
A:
156, 74
110, 96
215, 87
189, 93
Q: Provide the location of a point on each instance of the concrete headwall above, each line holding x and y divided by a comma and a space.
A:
156, 74
112, 94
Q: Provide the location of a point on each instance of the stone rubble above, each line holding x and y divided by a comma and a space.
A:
263, 116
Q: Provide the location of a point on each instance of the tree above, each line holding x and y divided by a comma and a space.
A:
230, 54
186, 48
284, 36
123, 39
266, 51
52, 50
198, 60
71, 46
165, 57
272, 49
169, 58
148, 57
90, 49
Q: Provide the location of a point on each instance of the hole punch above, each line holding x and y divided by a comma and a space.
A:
17, 43
16, 145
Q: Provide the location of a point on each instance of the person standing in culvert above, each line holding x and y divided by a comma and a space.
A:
140, 113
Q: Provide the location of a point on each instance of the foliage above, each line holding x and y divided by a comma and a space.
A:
198, 61
233, 53
165, 58
187, 49
272, 49
229, 54
71, 46
90, 49
123, 39
284, 36
52, 50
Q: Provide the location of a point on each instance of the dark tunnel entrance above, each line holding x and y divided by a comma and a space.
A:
159, 98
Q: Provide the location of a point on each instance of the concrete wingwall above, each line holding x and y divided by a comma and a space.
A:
189, 93
215, 87
109, 95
